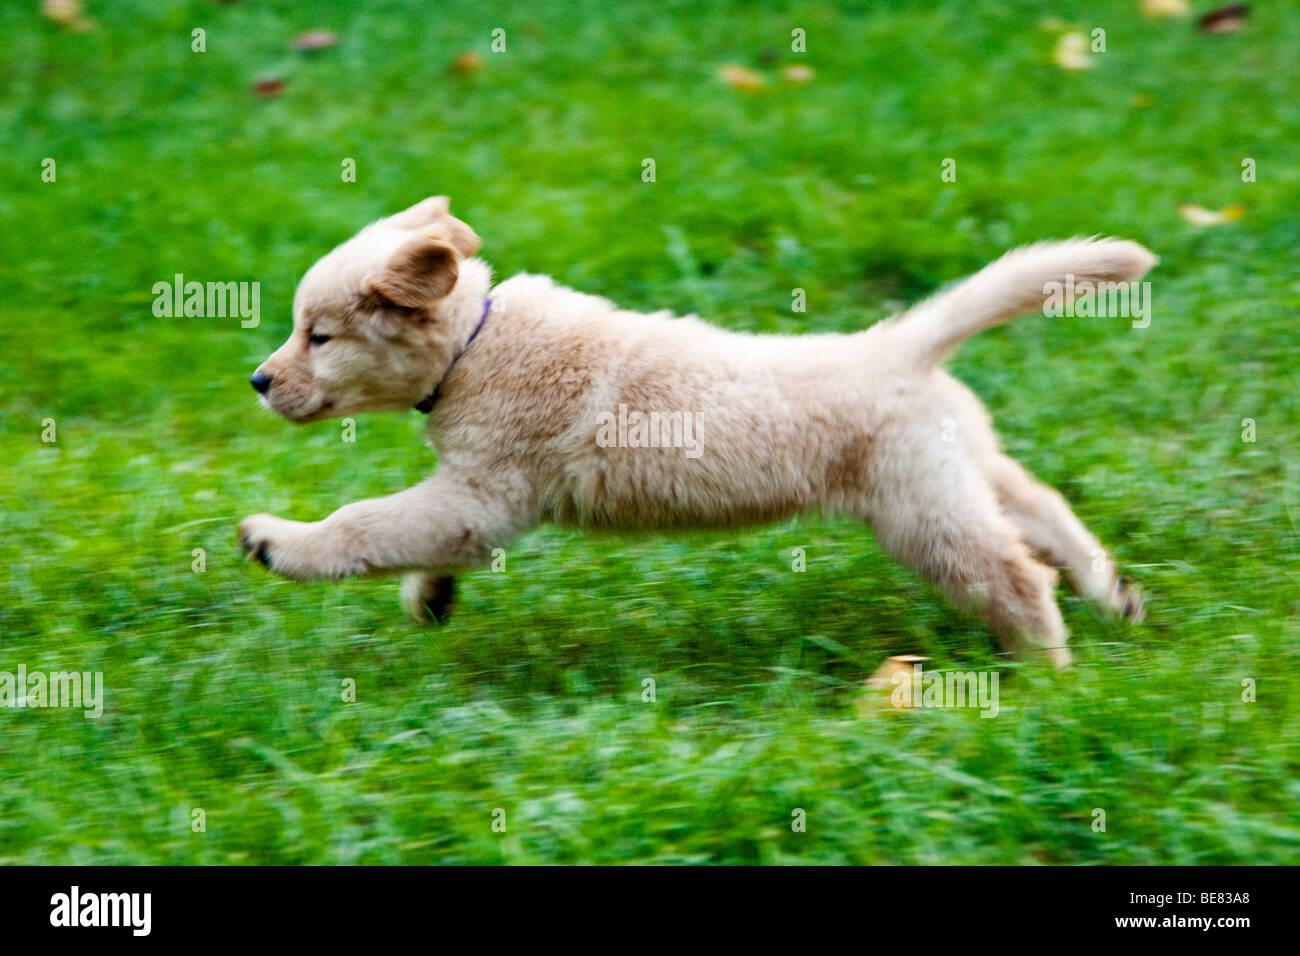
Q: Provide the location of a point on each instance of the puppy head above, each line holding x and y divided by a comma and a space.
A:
370, 329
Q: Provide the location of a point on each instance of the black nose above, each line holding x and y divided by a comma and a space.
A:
261, 382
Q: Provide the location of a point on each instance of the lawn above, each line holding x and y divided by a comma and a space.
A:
225, 687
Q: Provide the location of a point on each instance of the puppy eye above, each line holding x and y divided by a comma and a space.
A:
319, 339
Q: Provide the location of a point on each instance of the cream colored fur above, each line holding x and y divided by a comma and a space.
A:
865, 425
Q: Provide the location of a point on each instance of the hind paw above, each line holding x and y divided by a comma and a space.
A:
1130, 602
428, 598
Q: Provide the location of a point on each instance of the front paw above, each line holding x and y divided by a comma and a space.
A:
299, 550
263, 537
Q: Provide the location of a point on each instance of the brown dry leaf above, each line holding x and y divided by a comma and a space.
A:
742, 78
466, 63
314, 40
1229, 19
1071, 52
878, 690
269, 87
798, 74
1200, 216
1166, 8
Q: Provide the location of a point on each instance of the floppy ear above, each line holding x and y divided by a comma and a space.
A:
422, 270
461, 236
423, 213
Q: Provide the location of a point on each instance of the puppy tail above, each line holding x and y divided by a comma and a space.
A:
1024, 280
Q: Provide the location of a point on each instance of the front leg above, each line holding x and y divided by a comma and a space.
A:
441, 524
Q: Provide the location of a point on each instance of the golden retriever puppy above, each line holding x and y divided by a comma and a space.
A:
546, 404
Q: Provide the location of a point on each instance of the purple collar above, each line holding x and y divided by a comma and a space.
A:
426, 404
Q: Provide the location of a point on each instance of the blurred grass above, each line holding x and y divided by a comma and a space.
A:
224, 687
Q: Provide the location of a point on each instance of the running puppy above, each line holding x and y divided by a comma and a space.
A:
546, 404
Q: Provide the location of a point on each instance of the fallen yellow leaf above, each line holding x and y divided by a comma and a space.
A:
61, 11
1071, 52
67, 13
742, 78
1165, 8
1200, 216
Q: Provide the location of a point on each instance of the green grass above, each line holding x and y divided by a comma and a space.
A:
224, 687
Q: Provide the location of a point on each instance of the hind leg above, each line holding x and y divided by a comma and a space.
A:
952, 531
1059, 538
